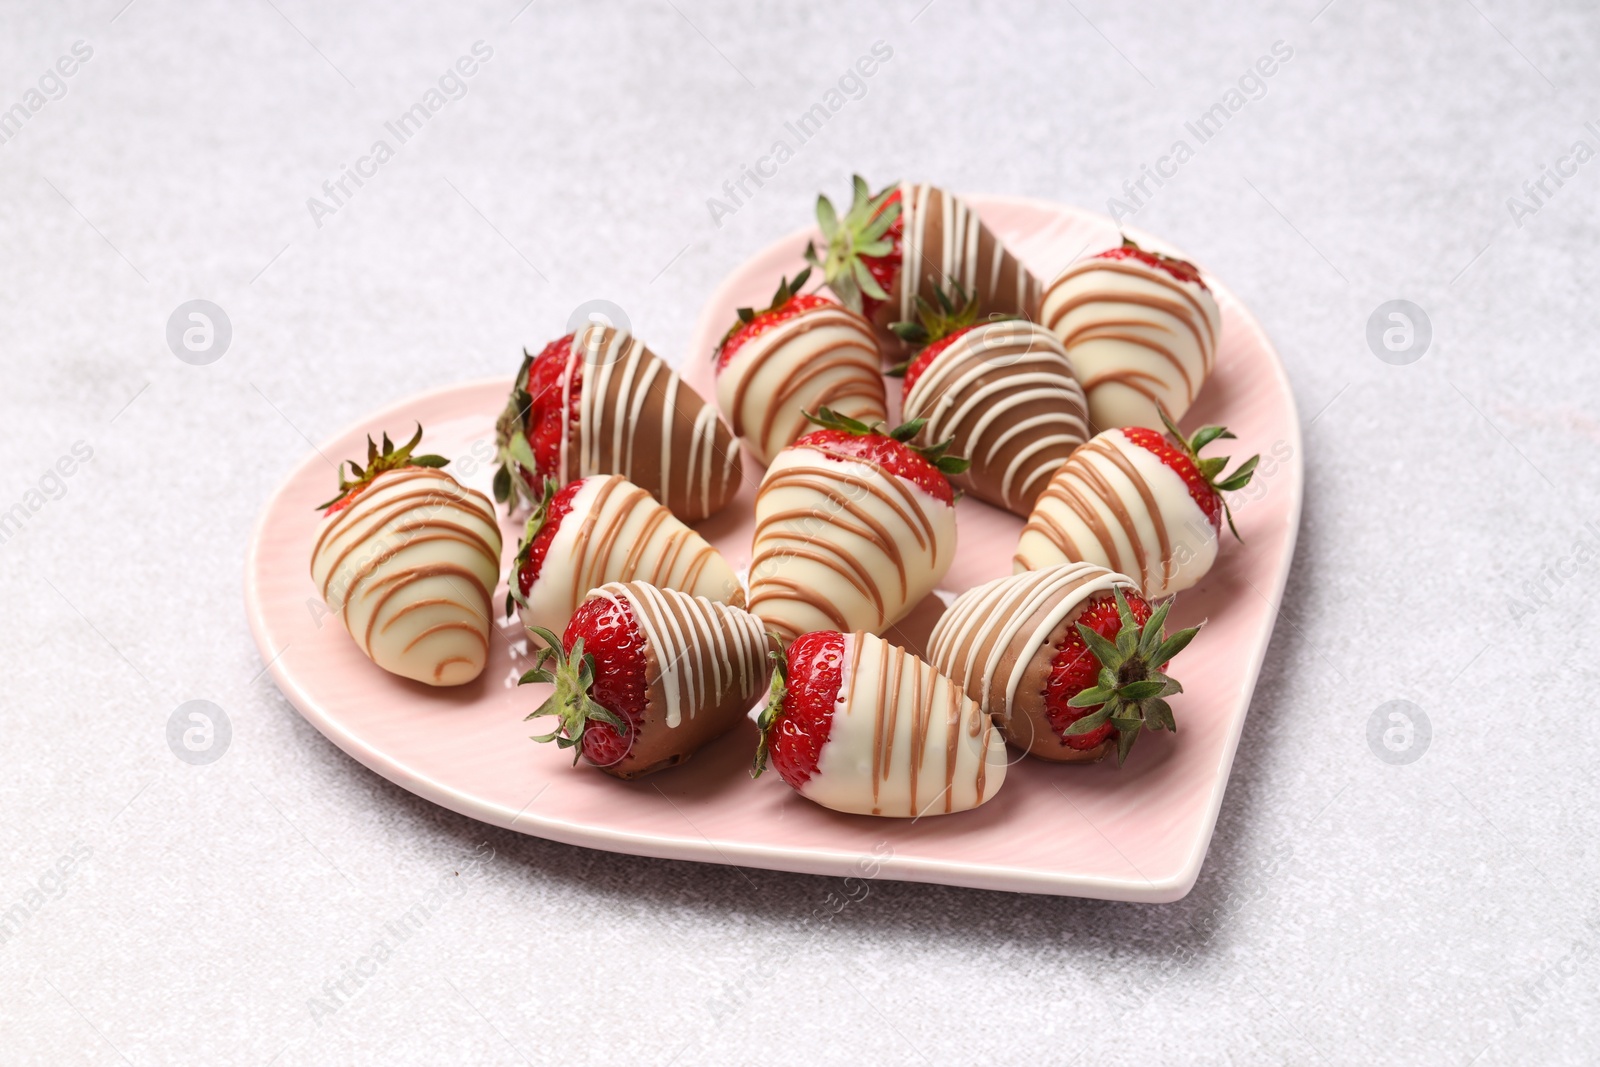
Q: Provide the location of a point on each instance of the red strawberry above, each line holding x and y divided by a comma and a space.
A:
1069, 660
1002, 391
859, 725
644, 677
600, 402
1138, 502
889, 248
853, 528
606, 529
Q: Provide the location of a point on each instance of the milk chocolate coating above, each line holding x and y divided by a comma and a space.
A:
706, 665
945, 241
636, 418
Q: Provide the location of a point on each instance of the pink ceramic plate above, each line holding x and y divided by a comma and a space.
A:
1138, 833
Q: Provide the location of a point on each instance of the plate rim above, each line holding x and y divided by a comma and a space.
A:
805, 860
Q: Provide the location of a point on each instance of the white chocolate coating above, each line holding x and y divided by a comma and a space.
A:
824, 357
843, 545
905, 741
992, 631
1116, 504
1006, 393
617, 532
1137, 336
703, 654
409, 567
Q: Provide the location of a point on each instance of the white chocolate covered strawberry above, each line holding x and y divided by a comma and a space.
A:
408, 560
1137, 502
802, 353
1002, 391
1141, 329
606, 529
908, 240
600, 402
859, 725
853, 528
1069, 660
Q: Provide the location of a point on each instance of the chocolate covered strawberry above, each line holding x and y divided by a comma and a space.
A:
1000, 389
854, 526
903, 242
800, 353
1141, 329
408, 558
1137, 501
859, 725
606, 529
644, 677
1069, 660
600, 402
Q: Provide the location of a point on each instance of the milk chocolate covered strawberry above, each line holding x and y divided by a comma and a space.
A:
600, 402
1002, 391
644, 677
888, 248
801, 353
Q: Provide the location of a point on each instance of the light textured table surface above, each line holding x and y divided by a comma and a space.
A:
1352, 909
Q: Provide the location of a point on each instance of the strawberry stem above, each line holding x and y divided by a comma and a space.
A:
862, 232
1131, 689
572, 673
381, 459
1211, 467
769, 714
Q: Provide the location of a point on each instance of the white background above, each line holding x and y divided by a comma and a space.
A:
1351, 911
